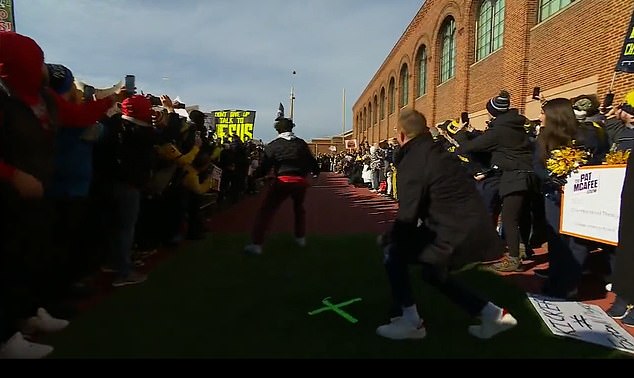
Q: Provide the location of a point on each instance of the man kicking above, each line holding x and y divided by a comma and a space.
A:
291, 160
442, 225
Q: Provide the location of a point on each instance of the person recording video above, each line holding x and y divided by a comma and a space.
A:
511, 151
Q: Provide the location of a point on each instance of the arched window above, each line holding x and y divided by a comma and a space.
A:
382, 105
390, 100
549, 7
370, 115
404, 83
490, 27
365, 119
376, 109
448, 46
421, 65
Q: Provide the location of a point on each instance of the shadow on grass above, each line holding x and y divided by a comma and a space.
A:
211, 301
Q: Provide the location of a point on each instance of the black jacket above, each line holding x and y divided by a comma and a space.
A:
619, 135
126, 152
432, 187
24, 142
511, 151
288, 158
624, 265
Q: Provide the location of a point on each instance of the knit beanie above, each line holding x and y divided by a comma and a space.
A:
60, 78
500, 104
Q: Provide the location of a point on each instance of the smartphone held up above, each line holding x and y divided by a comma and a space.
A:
130, 84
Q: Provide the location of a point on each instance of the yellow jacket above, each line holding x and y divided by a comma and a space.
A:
191, 181
171, 153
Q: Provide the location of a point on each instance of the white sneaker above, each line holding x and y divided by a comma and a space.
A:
301, 242
44, 322
253, 249
490, 328
402, 329
18, 348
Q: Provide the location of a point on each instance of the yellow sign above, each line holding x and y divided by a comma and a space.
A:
234, 123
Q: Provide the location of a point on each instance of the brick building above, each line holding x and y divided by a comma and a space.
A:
457, 54
324, 145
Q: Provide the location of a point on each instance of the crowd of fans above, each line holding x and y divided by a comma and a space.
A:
508, 163
369, 166
90, 185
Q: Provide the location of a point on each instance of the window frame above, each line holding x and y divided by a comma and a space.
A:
492, 39
540, 16
448, 32
391, 96
421, 61
404, 85
382, 104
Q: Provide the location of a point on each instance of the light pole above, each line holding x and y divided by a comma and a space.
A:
292, 96
343, 128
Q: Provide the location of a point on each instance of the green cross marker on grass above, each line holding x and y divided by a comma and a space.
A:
337, 308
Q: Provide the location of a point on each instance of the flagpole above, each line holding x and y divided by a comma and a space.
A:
292, 101
293, 97
613, 80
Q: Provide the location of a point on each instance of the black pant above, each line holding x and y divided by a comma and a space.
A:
566, 255
27, 259
396, 265
152, 218
512, 207
195, 218
533, 221
71, 236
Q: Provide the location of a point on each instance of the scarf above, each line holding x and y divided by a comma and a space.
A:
287, 135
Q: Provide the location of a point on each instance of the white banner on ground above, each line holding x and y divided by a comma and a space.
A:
591, 204
583, 322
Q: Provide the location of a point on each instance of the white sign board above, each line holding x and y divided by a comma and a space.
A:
216, 177
591, 204
583, 322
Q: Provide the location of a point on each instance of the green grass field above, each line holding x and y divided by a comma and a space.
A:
211, 301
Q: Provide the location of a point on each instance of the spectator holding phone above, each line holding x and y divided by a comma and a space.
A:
620, 125
32, 112
510, 148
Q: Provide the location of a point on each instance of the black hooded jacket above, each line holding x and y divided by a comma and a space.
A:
510, 148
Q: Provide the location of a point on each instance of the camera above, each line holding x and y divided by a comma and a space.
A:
465, 117
608, 100
537, 93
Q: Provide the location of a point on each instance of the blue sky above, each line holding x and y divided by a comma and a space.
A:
227, 54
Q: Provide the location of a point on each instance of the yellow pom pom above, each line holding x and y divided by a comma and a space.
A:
629, 99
